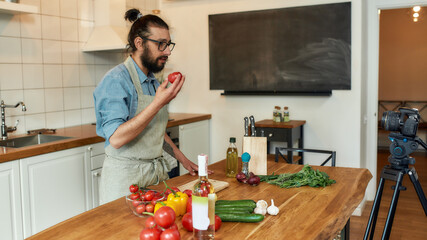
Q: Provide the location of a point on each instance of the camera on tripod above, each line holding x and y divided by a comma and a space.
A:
404, 140
405, 121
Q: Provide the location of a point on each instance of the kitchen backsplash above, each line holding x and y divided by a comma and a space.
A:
42, 65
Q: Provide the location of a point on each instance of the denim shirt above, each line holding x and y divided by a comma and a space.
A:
116, 99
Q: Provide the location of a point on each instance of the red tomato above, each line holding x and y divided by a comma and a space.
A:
136, 202
150, 208
218, 222
187, 221
188, 192
173, 76
150, 223
134, 196
168, 191
170, 234
190, 205
174, 226
149, 195
149, 234
133, 188
140, 209
165, 216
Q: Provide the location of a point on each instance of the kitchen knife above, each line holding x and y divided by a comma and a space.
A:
246, 126
253, 133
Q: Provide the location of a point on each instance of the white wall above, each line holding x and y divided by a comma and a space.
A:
332, 122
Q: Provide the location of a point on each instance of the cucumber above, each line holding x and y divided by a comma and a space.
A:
230, 212
235, 203
230, 209
241, 217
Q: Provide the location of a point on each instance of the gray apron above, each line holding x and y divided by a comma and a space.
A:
142, 161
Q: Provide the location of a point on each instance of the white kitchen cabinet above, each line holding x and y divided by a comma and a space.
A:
10, 201
193, 140
95, 155
54, 188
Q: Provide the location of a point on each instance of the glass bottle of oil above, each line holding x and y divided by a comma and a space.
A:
203, 203
231, 162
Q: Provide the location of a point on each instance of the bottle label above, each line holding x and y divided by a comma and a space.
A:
200, 214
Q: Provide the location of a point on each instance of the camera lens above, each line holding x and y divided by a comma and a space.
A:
390, 121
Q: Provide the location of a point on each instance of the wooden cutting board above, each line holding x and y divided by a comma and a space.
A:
218, 185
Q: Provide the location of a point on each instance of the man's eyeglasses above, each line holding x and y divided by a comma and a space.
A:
162, 44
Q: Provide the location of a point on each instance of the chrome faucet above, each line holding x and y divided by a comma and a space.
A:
4, 128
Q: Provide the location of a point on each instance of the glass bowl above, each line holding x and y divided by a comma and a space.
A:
134, 204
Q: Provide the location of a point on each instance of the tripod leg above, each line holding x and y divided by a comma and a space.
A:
374, 212
414, 178
392, 210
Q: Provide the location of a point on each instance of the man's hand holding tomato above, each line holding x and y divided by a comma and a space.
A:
165, 94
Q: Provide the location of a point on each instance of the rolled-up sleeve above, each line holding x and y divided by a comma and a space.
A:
112, 103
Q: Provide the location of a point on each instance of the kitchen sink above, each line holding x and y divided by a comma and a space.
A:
30, 140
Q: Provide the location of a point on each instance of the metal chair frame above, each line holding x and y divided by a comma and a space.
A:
332, 154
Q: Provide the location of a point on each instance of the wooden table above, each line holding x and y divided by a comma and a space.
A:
305, 213
287, 132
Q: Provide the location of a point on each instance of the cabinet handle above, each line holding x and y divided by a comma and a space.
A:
270, 135
181, 127
89, 148
96, 174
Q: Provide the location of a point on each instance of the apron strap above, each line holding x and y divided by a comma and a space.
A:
133, 75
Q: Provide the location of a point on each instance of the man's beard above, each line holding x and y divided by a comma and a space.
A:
150, 63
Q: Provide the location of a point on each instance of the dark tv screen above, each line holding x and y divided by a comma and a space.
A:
288, 50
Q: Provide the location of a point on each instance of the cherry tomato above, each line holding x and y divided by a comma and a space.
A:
134, 196
173, 76
174, 226
149, 195
189, 204
150, 208
140, 208
165, 216
136, 202
218, 222
149, 234
188, 192
168, 191
187, 221
170, 234
133, 188
150, 223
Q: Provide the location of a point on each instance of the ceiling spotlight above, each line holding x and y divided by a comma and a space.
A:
415, 19
416, 8
415, 15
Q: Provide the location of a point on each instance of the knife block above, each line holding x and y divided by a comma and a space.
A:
257, 148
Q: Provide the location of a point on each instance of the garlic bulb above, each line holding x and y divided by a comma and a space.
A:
272, 210
260, 210
262, 204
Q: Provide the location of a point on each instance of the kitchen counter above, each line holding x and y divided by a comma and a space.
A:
82, 135
305, 213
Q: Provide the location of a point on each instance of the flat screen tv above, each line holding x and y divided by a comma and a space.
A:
297, 50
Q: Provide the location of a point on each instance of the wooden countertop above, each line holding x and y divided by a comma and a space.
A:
80, 136
268, 123
305, 213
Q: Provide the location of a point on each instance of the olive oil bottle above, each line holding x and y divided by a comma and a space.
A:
231, 162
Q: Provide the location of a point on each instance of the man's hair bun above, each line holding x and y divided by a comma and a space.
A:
132, 15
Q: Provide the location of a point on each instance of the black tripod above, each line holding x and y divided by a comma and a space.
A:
400, 150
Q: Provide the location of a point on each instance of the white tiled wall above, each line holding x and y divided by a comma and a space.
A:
42, 65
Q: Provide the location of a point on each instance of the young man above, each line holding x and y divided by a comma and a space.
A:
131, 112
